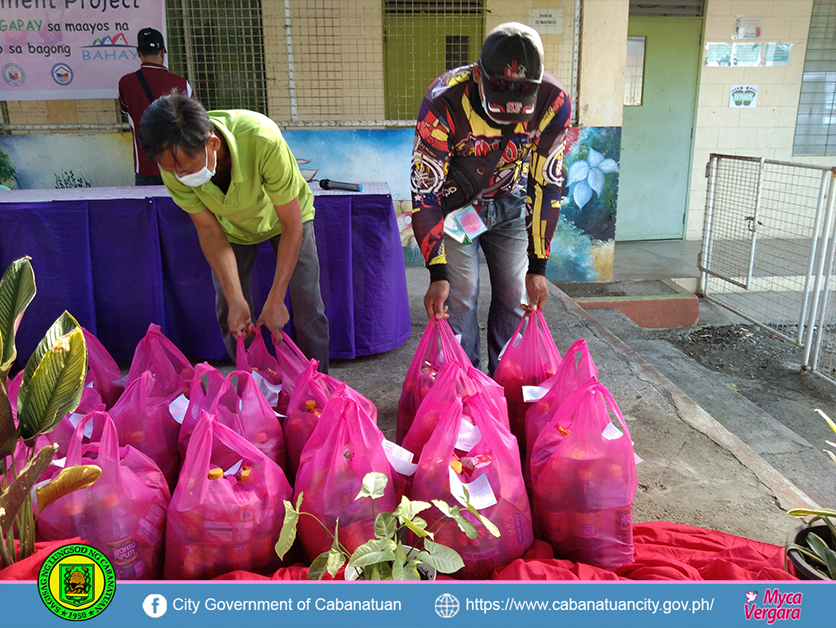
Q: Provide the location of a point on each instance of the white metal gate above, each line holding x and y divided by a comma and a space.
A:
768, 250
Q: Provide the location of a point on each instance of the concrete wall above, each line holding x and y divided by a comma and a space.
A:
767, 130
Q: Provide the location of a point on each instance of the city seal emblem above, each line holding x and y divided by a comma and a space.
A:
76, 582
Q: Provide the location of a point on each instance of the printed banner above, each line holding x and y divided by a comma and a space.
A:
71, 49
451, 603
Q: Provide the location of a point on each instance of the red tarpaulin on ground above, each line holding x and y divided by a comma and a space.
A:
664, 551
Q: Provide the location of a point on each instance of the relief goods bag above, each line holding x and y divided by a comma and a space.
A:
103, 371
158, 354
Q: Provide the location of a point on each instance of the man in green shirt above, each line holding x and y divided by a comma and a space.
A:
234, 174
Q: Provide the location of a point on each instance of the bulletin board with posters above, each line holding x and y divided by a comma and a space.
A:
71, 49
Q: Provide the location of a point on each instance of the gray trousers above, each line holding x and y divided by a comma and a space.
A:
309, 319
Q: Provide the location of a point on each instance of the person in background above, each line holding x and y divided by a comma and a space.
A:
139, 89
477, 127
235, 175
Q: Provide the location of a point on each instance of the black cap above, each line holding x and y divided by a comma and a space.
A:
150, 41
513, 52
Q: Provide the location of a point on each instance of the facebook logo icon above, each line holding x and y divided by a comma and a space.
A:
155, 605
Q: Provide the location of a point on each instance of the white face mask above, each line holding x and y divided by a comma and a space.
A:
196, 179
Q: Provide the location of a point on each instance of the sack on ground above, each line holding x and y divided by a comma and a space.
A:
437, 346
227, 509
123, 514
469, 449
529, 359
583, 473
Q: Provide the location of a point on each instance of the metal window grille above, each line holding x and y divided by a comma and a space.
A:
457, 51
768, 249
815, 129
218, 45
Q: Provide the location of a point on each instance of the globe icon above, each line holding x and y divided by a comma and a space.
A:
446, 605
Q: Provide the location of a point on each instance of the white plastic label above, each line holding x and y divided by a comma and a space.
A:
234, 468
534, 393
469, 435
75, 419
268, 389
178, 408
399, 458
58, 462
480, 491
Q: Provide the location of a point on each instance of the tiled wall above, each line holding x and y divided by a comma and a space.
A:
767, 130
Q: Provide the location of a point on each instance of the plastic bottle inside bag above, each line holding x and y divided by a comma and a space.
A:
116, 534
310, 406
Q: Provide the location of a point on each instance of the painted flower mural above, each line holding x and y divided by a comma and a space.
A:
588, 176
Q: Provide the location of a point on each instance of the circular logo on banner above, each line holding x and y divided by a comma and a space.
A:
13, 74
446, 606
76, 582
62, 74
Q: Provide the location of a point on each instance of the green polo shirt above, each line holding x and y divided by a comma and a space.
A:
264, 174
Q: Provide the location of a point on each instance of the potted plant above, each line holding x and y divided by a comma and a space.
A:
811, 548
385, 557
51, 387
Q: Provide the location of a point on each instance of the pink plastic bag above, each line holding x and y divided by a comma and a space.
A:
310, 394
529, 359
143, 420
437, 346
344, 447
103, 371
157, 354
264, 367
575, 369
453, 379
240, 405
291, 362
583, 473
491, 472
205, 385
123, 514
232, 522
63, 432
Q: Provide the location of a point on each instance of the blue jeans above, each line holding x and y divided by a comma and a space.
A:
505, 245
309, 319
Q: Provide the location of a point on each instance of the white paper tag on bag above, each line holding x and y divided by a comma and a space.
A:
399, 458
534, 393
480, 491
269, 390
178, 408
469, 436
75, 419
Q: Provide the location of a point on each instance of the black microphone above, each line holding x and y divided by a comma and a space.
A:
327, 184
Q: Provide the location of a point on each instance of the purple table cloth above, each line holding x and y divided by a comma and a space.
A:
120, 258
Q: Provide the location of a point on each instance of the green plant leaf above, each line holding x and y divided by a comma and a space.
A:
804, 512
410, 571
446, 509
407, 509
17, 289
418, 529
441, 557
385, 525
335, 561
317, 568
53, 379
16, 493
69, 480
398, 570
827, 555
371, 552
8, 431
374, 484
288, 534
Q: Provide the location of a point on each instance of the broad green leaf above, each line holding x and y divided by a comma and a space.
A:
370, 553
446, 509
827, 555
420, 531
385, 525
410, 571
288, 534
380, 572
407, 509
335, 561
8, 431
53, 379
70, 479
317, 568
441, 557
17, 289
13, 497
374, 484
830, 421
